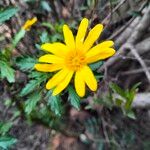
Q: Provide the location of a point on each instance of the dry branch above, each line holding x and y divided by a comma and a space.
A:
142, 100
137, 56
137, 33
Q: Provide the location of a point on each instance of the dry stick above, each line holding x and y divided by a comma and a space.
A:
121, 29
136, 35
141, 100
137, 56
135, 71
118, 6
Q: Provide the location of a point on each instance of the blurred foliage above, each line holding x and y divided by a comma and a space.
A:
118, 97
6, 14
5, 140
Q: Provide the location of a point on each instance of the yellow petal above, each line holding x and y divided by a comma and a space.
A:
62, 85
89, 78
68, 36
81, 33
47, 67
48, 58
99, 49
92, 37
79, 84
57, 78
105, 53
29, 23
57, 48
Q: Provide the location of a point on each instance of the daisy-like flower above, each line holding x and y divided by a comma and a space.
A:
71, 59
29, 23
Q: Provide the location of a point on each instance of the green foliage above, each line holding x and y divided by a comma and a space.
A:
55, 103
6, 71
32, 101
36, 79
25, 63
45, 6
44, 37
97, 65
74, 98
56, 30
6, 142
124, 98
18, 36
5, 127
29, 87
7, 13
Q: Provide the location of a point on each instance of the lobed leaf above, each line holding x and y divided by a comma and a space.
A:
29, 87
7, 72
25, 63
74, 98
7, 14
6, 142
32, 101
55, 103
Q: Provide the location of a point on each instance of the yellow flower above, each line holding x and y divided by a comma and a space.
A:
73, 58
29, 23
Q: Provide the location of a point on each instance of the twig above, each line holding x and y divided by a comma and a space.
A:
138, 32
135, 71
109, 15
137, 56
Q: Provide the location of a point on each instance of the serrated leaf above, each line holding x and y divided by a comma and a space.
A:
29, 87
40, 76
7, 71
32, 101
18, 37
97, 65
5, 127
73, 98
55, 104
25, 63
6, 142
7, 14
37, 79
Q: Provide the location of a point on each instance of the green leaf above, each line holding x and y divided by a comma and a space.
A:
39, 75
118, 90
18, 37
5, 127
56, 37
29, 87
44, 37
131, 114
119, 102
74, 98
55, 103
25, 63
36, 79
97, 65
6, 142
7, 14
45, 5
7, 71
135, 87
32, 101
49, 25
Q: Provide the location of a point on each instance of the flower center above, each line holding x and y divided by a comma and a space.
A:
75, 60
